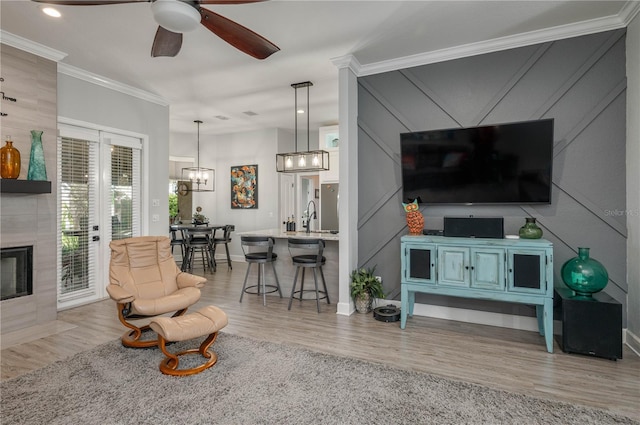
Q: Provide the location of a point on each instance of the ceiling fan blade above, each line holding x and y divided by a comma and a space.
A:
88, 2
229, 1
166, 43
238, 36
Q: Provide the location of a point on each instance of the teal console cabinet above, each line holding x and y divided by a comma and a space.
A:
511, 270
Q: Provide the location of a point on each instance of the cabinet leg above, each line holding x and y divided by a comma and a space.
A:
548, 323
404, 306
540, 316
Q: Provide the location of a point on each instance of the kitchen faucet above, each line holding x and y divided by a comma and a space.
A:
307, 225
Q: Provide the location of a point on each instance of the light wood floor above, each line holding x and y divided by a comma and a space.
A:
496, 357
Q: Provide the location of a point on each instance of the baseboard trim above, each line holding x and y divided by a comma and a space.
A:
345, 309
632, 340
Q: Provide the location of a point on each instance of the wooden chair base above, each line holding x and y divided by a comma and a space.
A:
206, 321
169, 366
131, 339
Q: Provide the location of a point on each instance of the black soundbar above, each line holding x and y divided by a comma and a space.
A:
474, 227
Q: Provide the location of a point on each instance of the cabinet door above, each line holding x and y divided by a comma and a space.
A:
418, 263
453, 266
487, 268
526, 271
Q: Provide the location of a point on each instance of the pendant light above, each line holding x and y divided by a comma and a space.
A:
202, 179
301, 161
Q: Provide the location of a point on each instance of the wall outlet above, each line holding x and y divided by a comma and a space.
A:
155, 202
155, 217
379, 279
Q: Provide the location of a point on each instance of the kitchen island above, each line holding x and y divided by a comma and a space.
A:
286, 270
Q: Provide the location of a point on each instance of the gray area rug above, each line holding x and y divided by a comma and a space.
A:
263, 383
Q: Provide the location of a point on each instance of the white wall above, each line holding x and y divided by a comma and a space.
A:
221, 152
84, 101
633, 183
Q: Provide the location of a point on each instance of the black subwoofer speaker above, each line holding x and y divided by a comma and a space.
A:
590, 326
474, 227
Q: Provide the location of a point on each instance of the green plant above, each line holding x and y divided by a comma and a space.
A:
173, 205
364, 281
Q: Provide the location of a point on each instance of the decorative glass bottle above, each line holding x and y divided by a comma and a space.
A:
10, 158
37, 166
530, 230
584, 275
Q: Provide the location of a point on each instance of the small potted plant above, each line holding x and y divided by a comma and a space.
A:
364, 287
199, 218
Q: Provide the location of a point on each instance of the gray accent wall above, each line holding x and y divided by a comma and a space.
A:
580, 82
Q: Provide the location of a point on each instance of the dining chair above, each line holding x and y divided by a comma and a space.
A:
224, 240
198, 241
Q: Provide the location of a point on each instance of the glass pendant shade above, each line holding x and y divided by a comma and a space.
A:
302, 161
202, 179
295, 162
584, 275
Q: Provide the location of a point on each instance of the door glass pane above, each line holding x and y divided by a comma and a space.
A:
77, 201
123, 192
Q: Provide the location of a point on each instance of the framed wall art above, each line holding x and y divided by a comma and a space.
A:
244, 187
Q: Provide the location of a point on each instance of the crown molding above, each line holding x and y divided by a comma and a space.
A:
621, 20
55, 55
31, 46
348, 61
108, 83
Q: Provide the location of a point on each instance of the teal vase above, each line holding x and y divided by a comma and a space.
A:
584, 275
530, 230
37, 166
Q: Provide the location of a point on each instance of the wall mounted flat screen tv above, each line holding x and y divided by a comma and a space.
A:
493, 164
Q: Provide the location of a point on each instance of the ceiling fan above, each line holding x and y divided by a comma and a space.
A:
175, 17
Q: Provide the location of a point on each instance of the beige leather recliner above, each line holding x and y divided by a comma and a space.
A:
146, 282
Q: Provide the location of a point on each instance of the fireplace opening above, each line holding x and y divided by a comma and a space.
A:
16, 272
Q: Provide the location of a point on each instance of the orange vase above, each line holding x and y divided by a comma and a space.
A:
10, 161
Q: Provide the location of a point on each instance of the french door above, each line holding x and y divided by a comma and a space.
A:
98, 201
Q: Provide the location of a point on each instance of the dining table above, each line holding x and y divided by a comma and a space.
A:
187, 228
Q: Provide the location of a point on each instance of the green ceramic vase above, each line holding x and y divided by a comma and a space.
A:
530, 230
37, 166
584, 275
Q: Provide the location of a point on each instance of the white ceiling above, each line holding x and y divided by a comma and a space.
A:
209, 78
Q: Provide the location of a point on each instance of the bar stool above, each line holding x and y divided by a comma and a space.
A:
224, 240
314, 261
265, 255
197, 240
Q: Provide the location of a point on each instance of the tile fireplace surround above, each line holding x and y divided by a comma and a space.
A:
25, 218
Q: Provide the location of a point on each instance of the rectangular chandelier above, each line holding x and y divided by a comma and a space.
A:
202, 179
296, 162
301, 161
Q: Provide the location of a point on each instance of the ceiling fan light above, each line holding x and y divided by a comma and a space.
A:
175, 15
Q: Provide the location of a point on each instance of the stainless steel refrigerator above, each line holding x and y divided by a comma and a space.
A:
329, 206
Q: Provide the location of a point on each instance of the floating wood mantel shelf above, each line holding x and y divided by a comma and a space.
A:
24, 186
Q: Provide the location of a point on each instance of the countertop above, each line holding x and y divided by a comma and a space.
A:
281, 234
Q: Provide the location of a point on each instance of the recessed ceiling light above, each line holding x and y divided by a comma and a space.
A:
300, 111
250, 113
51, 12
222, 117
